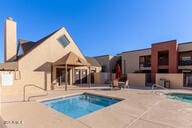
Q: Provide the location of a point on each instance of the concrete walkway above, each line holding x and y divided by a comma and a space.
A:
140, 109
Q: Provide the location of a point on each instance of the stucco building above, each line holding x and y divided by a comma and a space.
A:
55, 60
50, 62
162, 57
107, 62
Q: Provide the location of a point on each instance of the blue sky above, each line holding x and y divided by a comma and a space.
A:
101, 26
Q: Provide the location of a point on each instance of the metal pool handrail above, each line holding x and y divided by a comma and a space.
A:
32, 85
159, 86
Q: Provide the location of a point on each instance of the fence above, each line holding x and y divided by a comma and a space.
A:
176, 79
103, 77
22, 78
138, 79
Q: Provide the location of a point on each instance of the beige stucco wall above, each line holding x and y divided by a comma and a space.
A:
21, 79
48, 51
176, 80
131, 59
138, 79
104, 61
10, 39
102, 77
184, 47
96, 69
35, 67
41, 57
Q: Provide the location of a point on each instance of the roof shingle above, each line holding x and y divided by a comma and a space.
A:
28, 46
93, 61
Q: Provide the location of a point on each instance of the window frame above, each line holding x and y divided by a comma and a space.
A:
63, 40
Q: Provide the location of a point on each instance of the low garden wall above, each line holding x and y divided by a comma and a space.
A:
138, 79
176, 79
103, 77
20, 79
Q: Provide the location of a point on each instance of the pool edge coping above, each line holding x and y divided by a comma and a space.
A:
57, 97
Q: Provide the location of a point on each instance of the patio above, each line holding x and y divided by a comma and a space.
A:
140, 109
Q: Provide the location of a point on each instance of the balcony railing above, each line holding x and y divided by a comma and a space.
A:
145, 65
185, 63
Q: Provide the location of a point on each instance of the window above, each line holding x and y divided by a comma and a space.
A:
148, 60
141, 61
63, 40
145, 61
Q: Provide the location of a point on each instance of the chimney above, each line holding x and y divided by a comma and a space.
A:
10, 39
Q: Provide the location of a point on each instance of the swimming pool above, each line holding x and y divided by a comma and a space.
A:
80, 105
181, 97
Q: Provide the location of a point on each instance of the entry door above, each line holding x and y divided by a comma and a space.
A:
77, 77
84, 75
63, 74
92, 76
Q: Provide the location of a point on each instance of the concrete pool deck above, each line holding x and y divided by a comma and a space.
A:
140, 109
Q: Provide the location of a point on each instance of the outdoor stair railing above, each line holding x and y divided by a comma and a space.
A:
32, 85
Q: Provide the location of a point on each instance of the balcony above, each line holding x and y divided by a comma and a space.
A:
185, 58
163, 58
163, 62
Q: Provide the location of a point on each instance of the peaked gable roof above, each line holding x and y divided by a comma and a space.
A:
71, 59
28, 46
25, 45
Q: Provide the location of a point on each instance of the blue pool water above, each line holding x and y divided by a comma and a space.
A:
181, 97
80, 105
